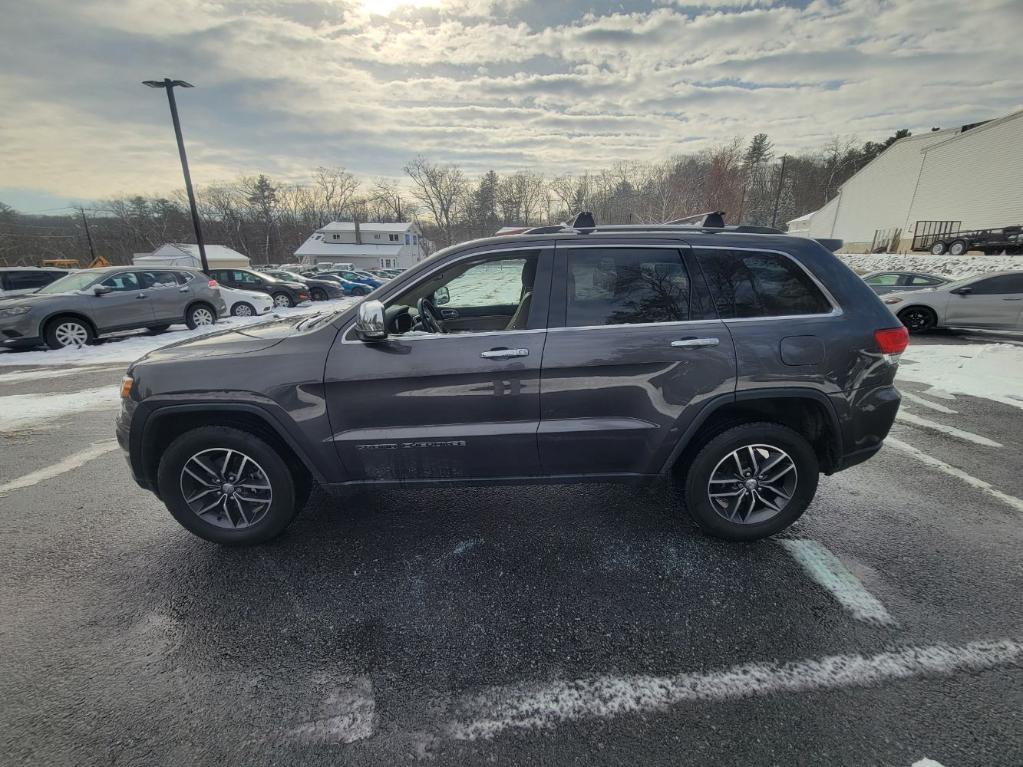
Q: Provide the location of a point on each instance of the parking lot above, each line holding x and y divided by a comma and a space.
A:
587, 624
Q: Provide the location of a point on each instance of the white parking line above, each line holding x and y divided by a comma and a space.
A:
967, 436
952, 471
927, 763
826, 569
927, 403
544, 705
54, 470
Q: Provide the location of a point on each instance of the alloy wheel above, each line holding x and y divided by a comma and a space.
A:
916, 319
226, 488
242, 310
71, 334
202, 316
752, 484
281, 301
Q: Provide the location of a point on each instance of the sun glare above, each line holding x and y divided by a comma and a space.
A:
387, 7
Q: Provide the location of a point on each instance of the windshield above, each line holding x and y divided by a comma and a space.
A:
70, 283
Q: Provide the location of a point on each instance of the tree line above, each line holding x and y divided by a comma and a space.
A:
267, 220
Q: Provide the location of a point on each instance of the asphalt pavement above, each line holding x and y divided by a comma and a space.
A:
588, 624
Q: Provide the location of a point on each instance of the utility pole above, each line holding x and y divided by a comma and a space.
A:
88, 235
777, 194
169, 86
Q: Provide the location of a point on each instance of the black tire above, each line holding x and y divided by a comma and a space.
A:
958, 247
157, 329
360, 291
285, 492
200, 315
918, 319
68, 332
318, 294
282, 300
938, 249
711, 520
243, 309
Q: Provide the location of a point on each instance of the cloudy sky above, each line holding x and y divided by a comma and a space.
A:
555, 86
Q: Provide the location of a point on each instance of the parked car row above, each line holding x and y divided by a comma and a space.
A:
989, 301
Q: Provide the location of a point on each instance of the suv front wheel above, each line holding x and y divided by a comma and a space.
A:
751, 481
228, 486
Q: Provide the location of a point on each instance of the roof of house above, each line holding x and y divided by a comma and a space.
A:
315, 246
213, 252
367, 226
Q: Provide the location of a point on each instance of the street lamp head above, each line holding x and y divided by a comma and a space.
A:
164, 83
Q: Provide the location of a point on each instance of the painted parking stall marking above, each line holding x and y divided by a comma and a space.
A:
952, 471
544, 705
828, 571
908, 395
70, 463
923, 423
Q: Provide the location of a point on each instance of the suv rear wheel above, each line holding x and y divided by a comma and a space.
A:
751, 481
199, 315
228, 486
64, 332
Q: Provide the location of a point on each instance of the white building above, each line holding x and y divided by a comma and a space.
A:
969, 177
365, 245
187, 254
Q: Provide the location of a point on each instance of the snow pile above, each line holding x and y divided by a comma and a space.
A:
988, 371
946, 266
127, 347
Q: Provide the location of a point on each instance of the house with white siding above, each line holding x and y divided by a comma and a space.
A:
969, 177
370, 245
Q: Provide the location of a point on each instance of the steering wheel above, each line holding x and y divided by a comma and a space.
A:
429, 316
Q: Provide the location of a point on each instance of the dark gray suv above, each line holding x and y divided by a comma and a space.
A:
737, 364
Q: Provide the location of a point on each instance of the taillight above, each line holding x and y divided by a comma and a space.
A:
892, 340
213, 284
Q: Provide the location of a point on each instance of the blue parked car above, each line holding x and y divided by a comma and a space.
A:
350, 288
363, 277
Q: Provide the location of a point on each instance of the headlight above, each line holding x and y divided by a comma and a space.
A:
14, 311
893, 300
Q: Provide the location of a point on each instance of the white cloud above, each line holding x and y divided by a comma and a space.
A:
285, 85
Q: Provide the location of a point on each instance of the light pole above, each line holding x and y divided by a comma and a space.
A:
169, 86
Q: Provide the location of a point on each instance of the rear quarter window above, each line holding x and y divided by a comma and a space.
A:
746, 283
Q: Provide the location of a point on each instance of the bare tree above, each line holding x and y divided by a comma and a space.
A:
440, 189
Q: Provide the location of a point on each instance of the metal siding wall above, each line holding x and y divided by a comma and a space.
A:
976, 178
879, 196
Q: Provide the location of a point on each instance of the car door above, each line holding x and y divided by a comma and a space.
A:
433, 407
127, 305
633, 351
166, 294
991, 302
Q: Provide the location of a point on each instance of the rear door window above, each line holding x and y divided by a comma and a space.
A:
883, 279
746, 283
626, 286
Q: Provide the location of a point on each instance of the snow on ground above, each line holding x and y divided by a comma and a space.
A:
23, 411
127, 347
988, 371
946, 266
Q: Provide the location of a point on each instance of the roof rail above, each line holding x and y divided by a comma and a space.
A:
584, 223
712, 220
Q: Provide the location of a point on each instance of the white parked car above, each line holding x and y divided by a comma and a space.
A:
246, 303
993, 301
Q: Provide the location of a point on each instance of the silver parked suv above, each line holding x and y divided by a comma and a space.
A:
75, 309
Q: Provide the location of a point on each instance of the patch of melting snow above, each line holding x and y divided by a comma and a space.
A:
26, 411
987, 371
347, 715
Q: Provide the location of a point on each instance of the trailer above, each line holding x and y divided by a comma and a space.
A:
1005, 239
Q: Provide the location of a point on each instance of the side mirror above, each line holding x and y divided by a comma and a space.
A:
441, 296
965, 290
370, 325
101, 290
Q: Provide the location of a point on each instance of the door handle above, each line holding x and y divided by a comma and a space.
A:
141, 295
184, 290
691, 343
500, 354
